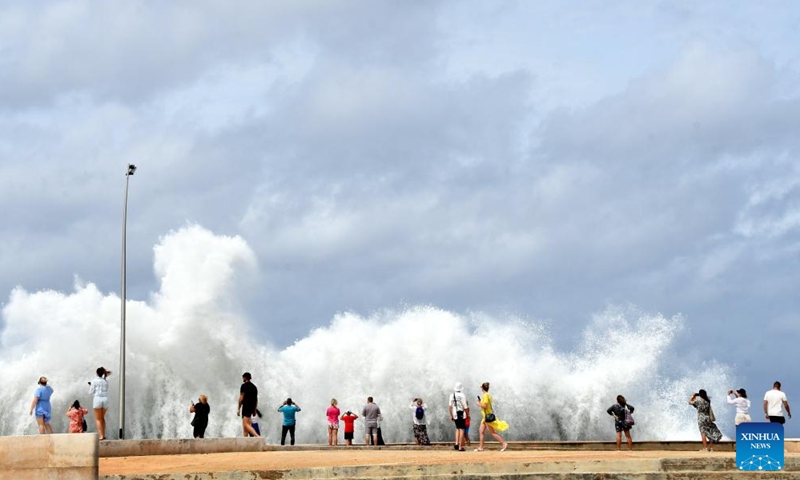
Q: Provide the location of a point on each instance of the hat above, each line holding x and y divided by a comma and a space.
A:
458, 387
742, 392
246, 375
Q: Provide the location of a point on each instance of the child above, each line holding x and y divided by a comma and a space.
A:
466, 430
75, 415
349, 419
254, 421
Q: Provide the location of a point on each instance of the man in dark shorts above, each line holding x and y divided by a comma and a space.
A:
459, 411
774, 404
248, 402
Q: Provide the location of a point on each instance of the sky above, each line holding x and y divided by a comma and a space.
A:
539, 160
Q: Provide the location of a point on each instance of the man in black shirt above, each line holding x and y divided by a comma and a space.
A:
248, 402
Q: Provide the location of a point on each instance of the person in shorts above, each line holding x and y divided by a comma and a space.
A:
459, 410
370, 412
774, 403
333, 413
99, 388
248, 402
349, 419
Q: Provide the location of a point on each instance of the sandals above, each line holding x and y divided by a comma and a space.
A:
478, 450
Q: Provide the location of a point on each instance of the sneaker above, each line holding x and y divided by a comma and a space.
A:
455, 447
505, 447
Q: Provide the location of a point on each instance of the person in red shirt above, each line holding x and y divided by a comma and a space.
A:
349, 419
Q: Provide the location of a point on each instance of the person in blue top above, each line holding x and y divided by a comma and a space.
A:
288, 409
41, 404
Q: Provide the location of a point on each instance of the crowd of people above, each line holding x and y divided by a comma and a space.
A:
775, 403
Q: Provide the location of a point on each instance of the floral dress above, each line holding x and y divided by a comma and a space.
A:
707, 427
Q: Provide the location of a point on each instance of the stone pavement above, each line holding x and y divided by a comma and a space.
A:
439, 463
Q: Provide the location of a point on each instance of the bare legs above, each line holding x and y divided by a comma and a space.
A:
707, 444
496, 436
247, 427
333, 436
629, 439
100, 420
44, 427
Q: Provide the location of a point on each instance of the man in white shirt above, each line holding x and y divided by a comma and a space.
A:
459, 410
774, 403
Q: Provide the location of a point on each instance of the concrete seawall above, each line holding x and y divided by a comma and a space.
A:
58, 456
179, 446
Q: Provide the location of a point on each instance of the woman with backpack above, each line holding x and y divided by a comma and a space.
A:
420, 422
623, 420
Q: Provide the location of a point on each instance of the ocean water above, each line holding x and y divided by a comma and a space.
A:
191, 337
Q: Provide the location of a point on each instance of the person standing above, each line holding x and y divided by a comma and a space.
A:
75, 414
489, 420
459, 409
333, 413
99, 388
420, 422
248, 402
201, 409
739, 398
41, 405
774, 403
288, 409
255, 421
623, 421
349, 419
370, 413
709, 432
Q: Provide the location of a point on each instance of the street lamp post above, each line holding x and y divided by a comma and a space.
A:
128, 173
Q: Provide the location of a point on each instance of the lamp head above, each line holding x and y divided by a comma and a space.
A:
131, 169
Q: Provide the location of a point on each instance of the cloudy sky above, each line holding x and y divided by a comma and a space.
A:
540, 160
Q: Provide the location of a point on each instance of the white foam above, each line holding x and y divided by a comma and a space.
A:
190, 338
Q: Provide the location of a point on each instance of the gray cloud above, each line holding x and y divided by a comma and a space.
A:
376, 155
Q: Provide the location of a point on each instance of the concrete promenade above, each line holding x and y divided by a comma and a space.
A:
536, 460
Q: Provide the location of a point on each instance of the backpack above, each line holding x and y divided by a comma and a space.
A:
629, 418
419, 412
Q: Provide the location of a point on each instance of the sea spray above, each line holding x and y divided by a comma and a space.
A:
190, 338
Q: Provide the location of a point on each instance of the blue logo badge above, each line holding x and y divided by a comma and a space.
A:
759, 446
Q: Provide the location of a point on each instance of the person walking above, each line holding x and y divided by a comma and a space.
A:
489, 420
370, 412
739, 399
459, 410
248, 403
709, 432
201, 409
41, 405
420, 421
349, 419
333, 413
99, 388
623, 420
774, 403
75, 413
288, 409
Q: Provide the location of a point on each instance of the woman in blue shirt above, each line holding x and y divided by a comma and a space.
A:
41, 404
288, 409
